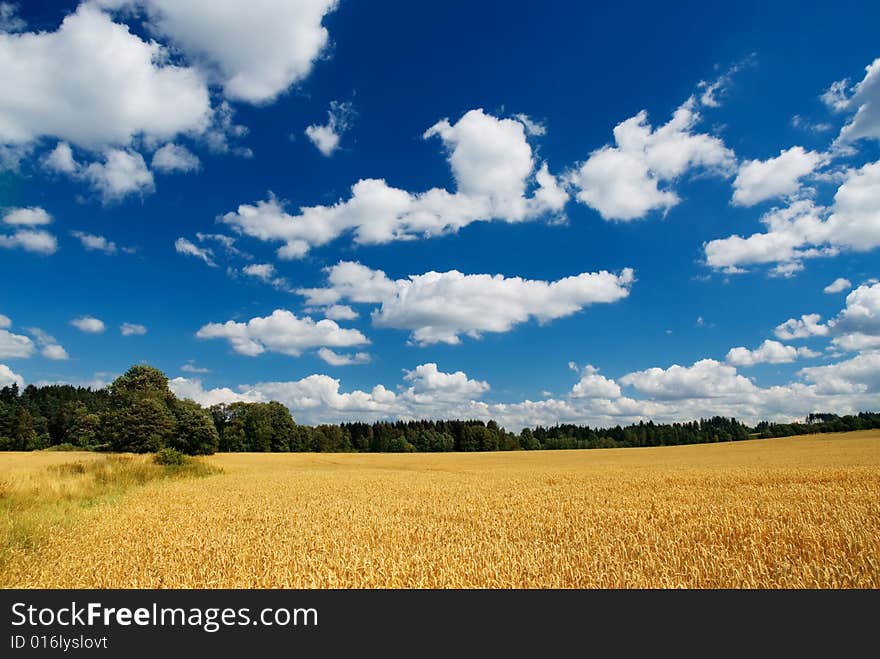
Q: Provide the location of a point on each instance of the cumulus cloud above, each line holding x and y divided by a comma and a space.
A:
428, 385
804, 230
175, 158
8, 377
494, 170
13, 346
857, 326
88, 324
109, 94
254, 49
61, 160
192, 389
132, 329
184, 246
707, 378
39, 242
861, 374
282, 332
801, 328
337, 359
48, 344
593, 385
95, 243
674, 394
838, 286
863, 99
769, 352
340, 312
34, 216
760, 180
24, 236
437, 307
326, 137
122, 173
634, 177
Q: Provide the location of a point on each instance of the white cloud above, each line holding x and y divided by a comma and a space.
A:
838, 286
337, 359
493, 167
532, 127
712, 90
863, 99
622, 182
326, 137
340, 312
707, 378
769, 352
5, 321
48, 344
184, 246
61, 160
705, 389
132, 329
40, 242
227, 242
122, 173
800, 122
861, 374
593, 385
33, 216
282, 332
192, 389
14, 346
88, 324
94, 84
95, 243
429, 385
437, 307
803, 230
54, 351
175, 158
265, 272
759, 180
857, 326
8, 377
836, 97
855, 219
254, 49
801, 328
190, 367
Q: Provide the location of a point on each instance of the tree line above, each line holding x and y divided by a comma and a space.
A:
139, 413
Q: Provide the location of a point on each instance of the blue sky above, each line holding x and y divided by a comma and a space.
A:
520, 242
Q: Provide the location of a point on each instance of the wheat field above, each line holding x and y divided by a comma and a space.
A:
784, 513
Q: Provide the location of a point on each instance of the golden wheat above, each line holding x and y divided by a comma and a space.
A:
785, 513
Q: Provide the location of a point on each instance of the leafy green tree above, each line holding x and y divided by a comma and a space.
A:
140, 417
24, 433
195, 433
85, 427
140, 424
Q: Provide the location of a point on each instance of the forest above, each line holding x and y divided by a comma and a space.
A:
139, 413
